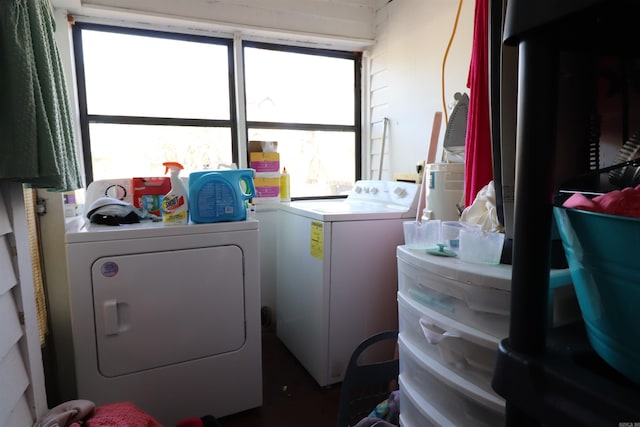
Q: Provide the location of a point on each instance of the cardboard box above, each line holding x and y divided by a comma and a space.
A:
148, 192
263, 156
267, 185
264, 162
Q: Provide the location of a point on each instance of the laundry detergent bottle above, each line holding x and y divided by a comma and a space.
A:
220, 195
175, 204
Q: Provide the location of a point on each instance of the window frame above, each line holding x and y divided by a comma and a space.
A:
236, 128
357, 120
87, 119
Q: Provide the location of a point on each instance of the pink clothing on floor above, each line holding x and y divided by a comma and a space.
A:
124, 414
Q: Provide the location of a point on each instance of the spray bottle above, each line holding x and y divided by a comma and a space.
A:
175, 205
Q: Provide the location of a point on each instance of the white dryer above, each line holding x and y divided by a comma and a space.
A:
167, 317
337, 272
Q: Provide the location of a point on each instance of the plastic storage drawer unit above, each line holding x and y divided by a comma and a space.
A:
466, 351
474, 294
452, 316
441, 397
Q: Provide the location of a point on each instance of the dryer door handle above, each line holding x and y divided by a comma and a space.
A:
110, 317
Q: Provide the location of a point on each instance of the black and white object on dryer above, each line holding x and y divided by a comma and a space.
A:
112, 211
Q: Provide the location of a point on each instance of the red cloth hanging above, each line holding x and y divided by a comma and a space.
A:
478, 157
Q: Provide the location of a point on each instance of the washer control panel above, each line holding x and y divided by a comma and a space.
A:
402, 194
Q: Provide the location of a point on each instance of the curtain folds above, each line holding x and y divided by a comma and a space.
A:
37, 145
478, 152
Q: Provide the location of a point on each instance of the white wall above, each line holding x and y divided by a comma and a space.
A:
323, 22
406, 73
22, 387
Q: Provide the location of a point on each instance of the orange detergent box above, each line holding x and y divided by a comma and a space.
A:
263, 156
265, 162
148, 192
267, 185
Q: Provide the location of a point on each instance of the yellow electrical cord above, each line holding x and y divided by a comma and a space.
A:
444, 61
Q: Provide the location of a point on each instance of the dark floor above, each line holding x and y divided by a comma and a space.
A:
291, 397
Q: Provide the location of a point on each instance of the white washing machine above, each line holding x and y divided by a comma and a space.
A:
337, 272
167, 317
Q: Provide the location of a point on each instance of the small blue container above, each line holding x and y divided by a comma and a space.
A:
220, 195
602, 253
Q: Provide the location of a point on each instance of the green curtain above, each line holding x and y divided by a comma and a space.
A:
37, 144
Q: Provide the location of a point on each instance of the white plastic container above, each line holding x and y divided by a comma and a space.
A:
175, 204
483, 247
451, 233
421, 235
444, 190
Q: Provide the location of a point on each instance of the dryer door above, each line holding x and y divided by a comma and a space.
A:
161, 308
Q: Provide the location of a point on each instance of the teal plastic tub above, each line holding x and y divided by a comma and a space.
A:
602, 252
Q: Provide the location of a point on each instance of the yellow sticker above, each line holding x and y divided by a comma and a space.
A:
316, 239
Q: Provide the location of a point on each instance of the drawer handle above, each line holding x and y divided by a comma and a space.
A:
433, 337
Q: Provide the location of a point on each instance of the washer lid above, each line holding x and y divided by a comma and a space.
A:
367, 200
343, 210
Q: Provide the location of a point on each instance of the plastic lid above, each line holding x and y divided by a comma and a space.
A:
440, 251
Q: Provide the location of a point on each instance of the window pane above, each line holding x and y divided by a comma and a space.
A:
124, 151
132, 75
319, 163
297, 88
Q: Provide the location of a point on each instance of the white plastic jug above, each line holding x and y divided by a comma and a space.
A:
444, 191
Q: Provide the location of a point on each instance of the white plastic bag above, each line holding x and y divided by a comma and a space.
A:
483, 210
